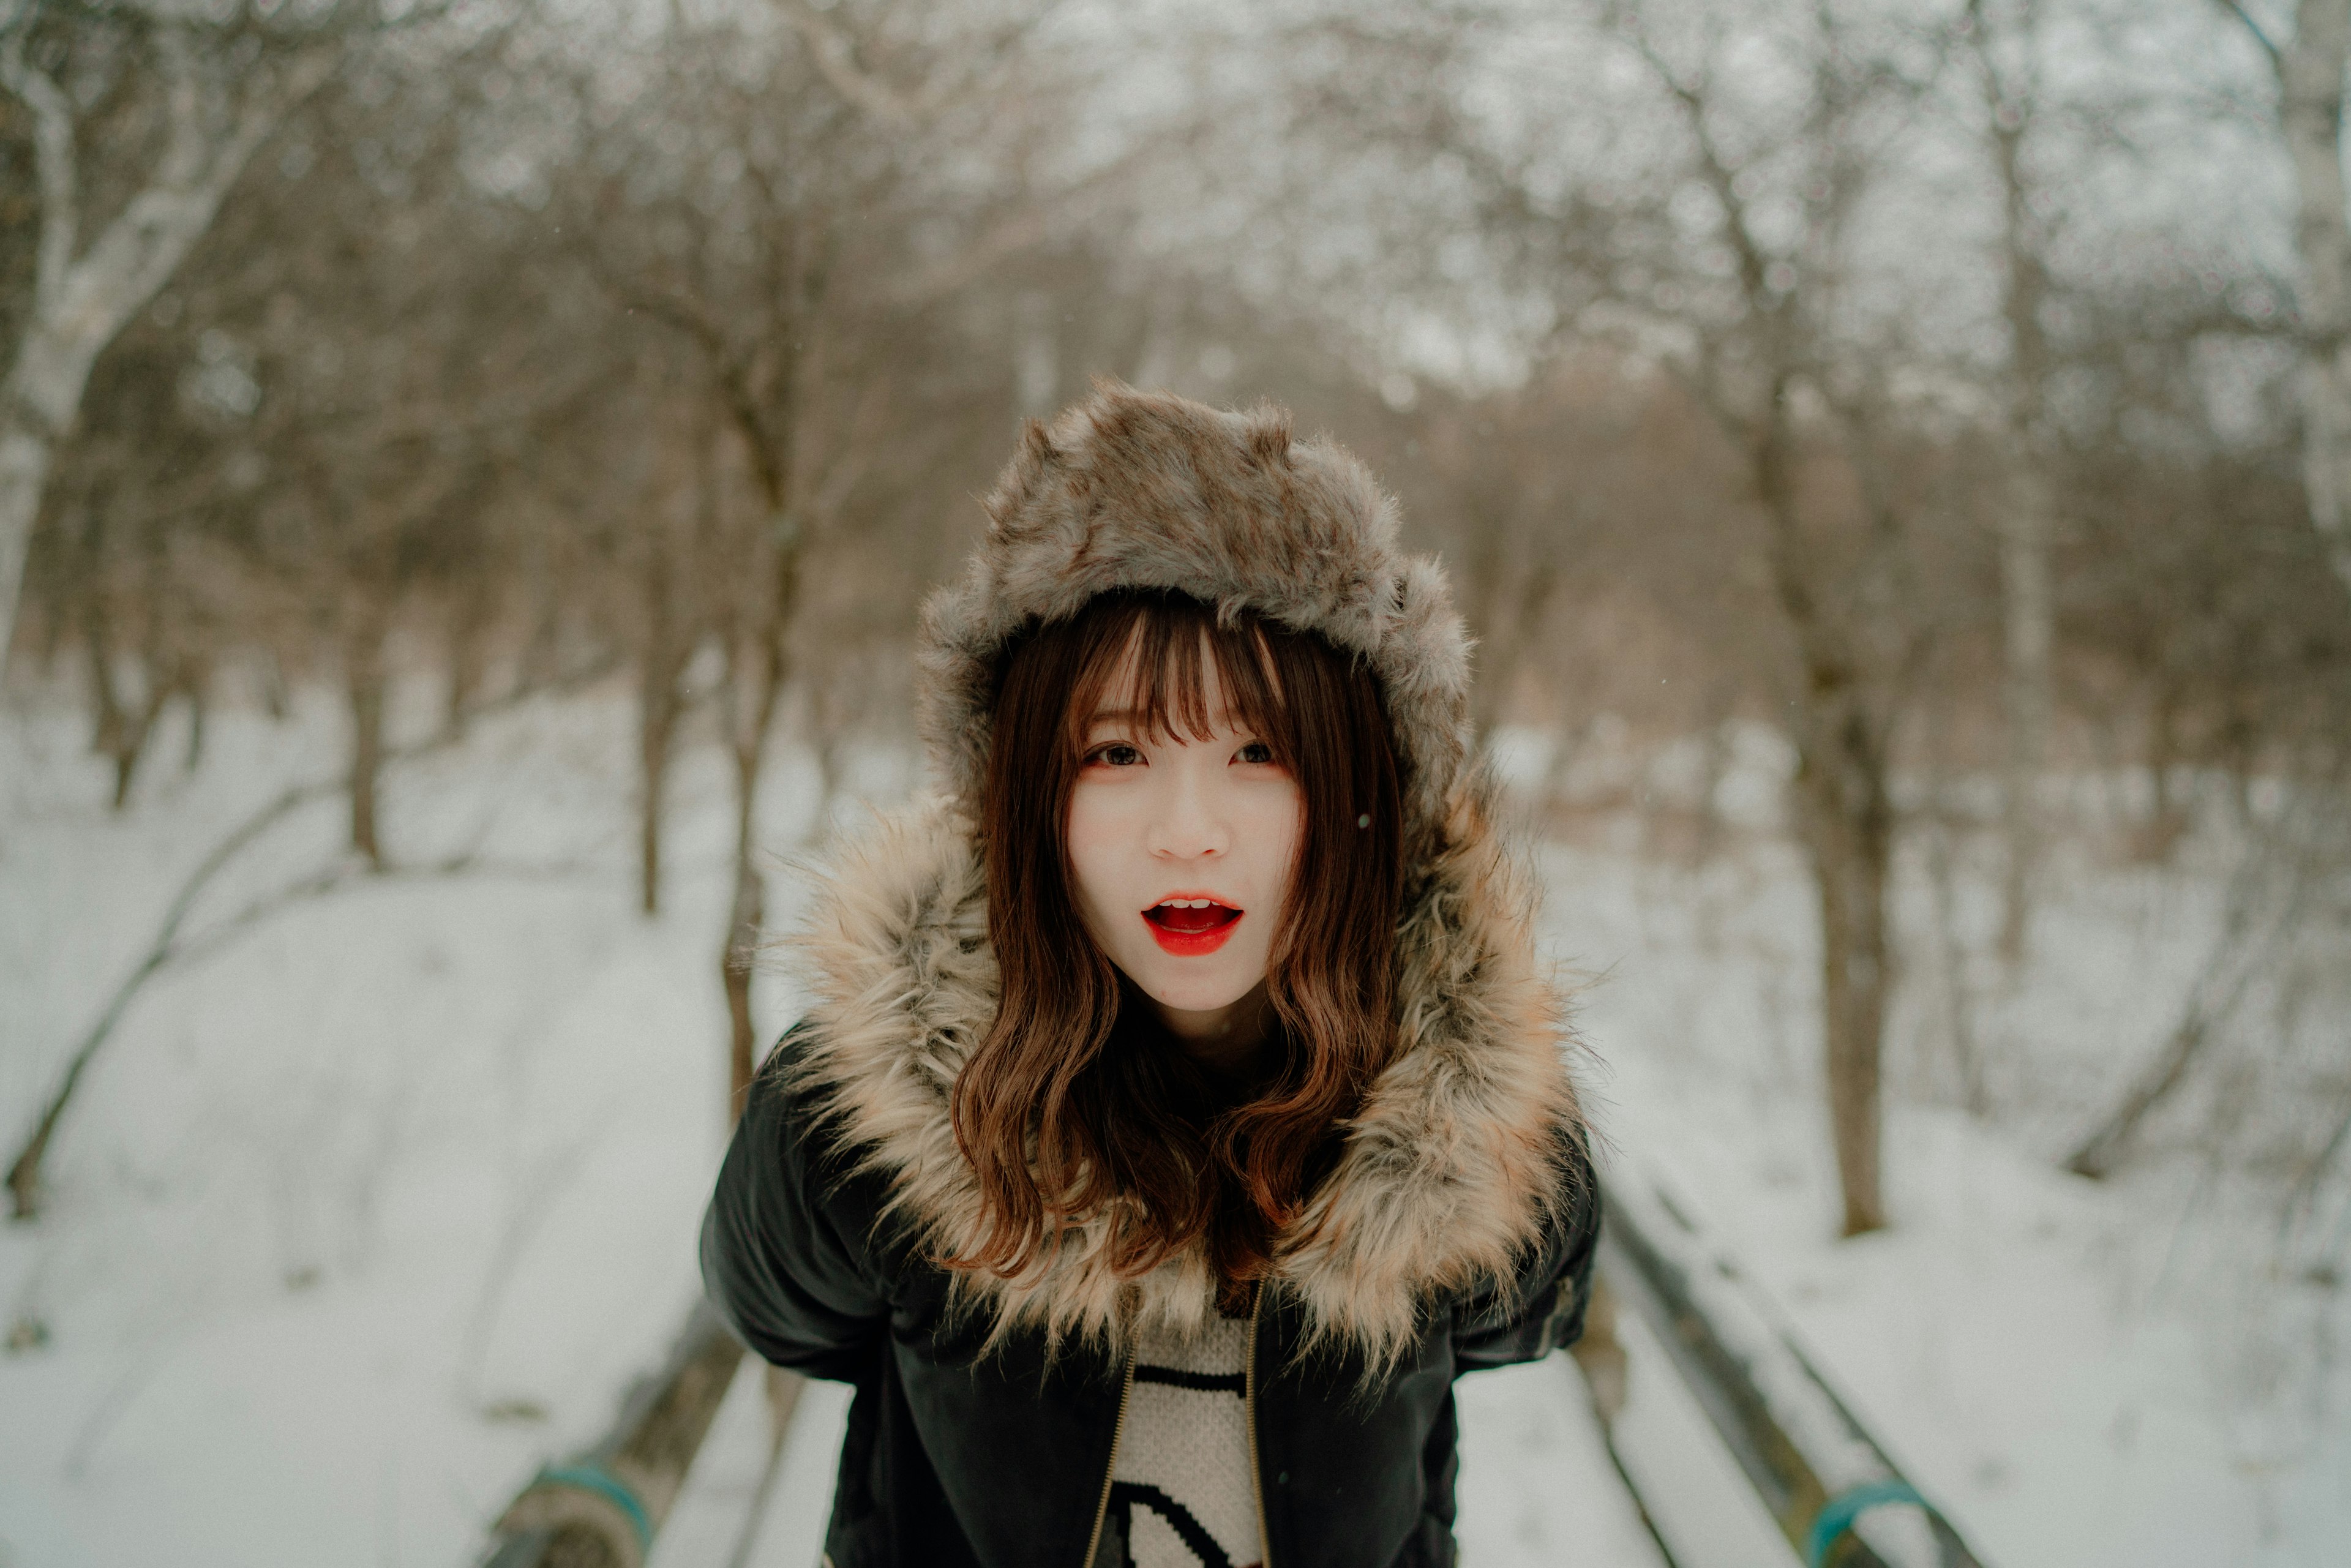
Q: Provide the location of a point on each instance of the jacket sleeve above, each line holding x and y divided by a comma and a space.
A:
787, 1241
1543, 1309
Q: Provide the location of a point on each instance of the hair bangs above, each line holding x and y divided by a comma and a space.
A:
1147, 663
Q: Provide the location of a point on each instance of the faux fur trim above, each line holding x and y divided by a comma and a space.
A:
1446, 1175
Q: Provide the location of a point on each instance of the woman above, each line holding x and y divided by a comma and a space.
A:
1180, 1108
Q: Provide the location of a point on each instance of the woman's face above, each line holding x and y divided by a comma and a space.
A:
1182, 851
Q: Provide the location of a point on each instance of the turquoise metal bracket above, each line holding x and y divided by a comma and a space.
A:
594, 1478
1836, 1515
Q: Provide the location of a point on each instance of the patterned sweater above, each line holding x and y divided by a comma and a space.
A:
1182, 1495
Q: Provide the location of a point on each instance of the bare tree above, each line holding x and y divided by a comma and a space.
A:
1847, 605
411, 353
2201, 576
2309, 66
674, 600
2004, 44
766, 199
219, 88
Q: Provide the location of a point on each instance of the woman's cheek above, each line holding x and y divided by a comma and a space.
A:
1282, 834
1087, 866
1104, 845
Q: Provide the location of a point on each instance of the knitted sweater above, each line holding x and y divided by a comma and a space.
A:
1182, 1494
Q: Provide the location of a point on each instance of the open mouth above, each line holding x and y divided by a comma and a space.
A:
1188, 927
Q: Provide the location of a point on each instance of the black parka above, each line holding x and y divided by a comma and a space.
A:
1001, 1461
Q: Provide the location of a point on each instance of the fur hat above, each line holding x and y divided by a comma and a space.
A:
1450, 1163
1132, 489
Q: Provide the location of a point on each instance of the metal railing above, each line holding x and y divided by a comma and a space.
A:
601, 1508
1826, 1482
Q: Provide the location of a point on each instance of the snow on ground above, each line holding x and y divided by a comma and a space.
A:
1537, 1488
364, 1215
2081, 1374
357, 1220
749, 1503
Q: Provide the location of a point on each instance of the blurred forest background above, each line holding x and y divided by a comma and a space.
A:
1938, 411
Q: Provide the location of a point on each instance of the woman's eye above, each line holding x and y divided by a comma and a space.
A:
1117, 755
1255, 751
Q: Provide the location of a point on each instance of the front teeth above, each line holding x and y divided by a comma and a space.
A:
1185, 902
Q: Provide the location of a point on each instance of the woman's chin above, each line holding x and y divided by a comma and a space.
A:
1196, 994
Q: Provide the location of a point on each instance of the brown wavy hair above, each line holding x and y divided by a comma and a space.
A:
1079, 1102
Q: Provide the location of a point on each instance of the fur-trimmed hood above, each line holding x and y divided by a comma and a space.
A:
1452, 1164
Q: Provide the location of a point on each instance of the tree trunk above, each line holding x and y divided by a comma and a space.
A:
1505, 598
130, 743
1850, 675
1849, 832
2310, 114
364, 678
1958, 1017
2027, 501
743, 917
467, 654
24, 471
195, 685
662, 663
655, 723
1847, 823
2028, 634
748, 906
2171, 819
122, 724
108, 720
756, 674
1513, 617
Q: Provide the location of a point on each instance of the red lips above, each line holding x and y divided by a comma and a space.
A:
1191, 933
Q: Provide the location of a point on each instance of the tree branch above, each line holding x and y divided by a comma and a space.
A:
836, 59
835, 53
2269, 46
53, 143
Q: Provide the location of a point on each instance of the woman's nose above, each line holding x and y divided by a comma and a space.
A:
1187, 824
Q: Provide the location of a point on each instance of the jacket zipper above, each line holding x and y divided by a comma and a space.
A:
1248, 1407
1110, 1470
